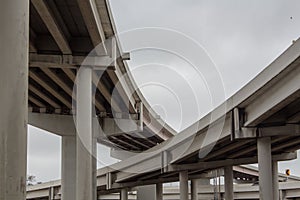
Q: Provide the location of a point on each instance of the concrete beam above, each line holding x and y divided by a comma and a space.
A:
52, 25
36, 102
284, 130
279, 94
113, 127
105, 92
62, 125
93, 23
121, 154
47, 99
121, 177
122, 89
228, 162
69, 61
32, 47
45, 84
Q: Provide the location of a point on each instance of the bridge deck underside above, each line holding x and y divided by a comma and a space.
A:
228, 151
244, 150
62, 33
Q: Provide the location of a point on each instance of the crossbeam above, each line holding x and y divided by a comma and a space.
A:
69, 61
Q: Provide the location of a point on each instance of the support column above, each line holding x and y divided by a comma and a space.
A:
14, 22
183, 184
228, 174
124, 194
275, 180
159, 191
194, 189
86, 142
146, 192
265, 168
68, 170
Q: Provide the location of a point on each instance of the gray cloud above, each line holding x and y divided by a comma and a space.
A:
43, 155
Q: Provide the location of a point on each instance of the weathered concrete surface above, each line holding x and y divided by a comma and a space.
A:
14, 22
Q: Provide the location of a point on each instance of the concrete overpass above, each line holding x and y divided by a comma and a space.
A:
288, 190
52, 77
245, 187
261, 124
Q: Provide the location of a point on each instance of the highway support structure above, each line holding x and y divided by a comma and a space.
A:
78, 165
14, 21
268, 168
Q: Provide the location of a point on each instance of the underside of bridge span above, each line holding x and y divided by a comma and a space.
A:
65, 72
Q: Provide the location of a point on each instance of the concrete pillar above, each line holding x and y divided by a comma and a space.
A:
228, 175
265, 168
146, 192
159, 191
194, 189
14, 23
183, 184
86, 142
124, 194
275, 180
68, 170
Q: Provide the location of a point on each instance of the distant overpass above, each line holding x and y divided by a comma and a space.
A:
288, 190
246, 188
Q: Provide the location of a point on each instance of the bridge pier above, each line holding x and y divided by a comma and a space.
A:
124, 194
275, 180
85, 139
146, 192
68, 169
265, 168
159, 191
14, 22
228, 173
183, 184
194, 189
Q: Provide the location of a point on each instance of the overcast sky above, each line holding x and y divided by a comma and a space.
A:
187, 57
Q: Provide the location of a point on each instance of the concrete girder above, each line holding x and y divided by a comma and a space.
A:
69, 61
62, 125
122, 174
93, 23
50, 22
